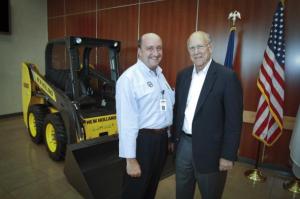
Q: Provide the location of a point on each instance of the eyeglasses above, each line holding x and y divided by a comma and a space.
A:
198, 47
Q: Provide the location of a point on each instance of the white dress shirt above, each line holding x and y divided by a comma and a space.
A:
193, 96
139, 92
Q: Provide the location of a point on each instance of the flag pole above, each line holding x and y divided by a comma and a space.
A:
255, 174
232, 17
269, 116
294, 184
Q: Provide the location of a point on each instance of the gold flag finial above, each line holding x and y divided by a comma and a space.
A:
233, 16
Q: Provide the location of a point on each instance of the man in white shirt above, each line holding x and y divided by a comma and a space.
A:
144, 104
207, 122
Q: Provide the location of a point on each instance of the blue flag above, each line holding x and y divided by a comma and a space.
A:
230, 49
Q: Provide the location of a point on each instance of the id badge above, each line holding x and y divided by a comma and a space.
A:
163, 104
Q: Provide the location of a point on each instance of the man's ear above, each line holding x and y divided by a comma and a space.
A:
139, 52
210, 46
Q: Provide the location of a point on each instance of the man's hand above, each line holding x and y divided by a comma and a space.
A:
133, 167
225, 165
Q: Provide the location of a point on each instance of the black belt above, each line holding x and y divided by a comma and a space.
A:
156, 131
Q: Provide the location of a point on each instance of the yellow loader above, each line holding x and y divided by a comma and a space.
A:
72, 110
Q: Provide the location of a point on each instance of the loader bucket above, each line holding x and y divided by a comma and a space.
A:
94, 168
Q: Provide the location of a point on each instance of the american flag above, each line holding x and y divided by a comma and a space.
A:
269, 117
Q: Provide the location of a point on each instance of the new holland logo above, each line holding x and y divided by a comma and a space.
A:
44, 86
101, 119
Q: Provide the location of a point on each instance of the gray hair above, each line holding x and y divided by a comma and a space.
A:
201, 35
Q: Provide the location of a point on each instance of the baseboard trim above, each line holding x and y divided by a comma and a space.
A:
10, 115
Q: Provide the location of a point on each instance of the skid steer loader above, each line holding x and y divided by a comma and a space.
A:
72, 110
73, 102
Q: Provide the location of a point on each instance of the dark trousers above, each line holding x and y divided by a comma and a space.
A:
211, 185
151, 153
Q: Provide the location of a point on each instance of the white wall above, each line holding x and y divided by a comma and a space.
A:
27, 41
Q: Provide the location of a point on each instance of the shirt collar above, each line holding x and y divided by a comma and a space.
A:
146, 69
204, 70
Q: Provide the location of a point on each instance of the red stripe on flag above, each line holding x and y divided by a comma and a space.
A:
264, 90
274, 136
265, 74
277, 96
279, 118
271, 122
279, 79
272, 65
261, 109
261, 128
268, 60
263, 125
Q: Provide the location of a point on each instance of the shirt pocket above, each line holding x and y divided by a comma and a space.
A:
143, 90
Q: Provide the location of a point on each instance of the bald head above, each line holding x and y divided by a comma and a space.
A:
147, 36
199, 35
150, 50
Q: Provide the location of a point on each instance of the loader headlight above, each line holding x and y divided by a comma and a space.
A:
78, 40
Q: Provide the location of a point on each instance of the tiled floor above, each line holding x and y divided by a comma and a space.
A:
27, 172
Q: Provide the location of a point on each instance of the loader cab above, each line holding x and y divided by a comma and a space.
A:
79, 67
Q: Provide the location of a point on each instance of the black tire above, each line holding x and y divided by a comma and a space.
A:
35, 120
54, 136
